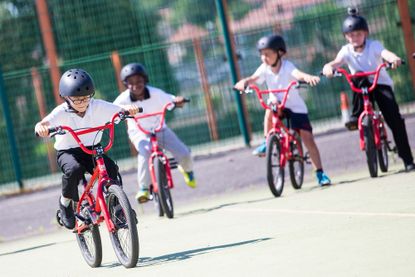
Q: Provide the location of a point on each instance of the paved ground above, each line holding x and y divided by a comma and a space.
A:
358, 227
231, 225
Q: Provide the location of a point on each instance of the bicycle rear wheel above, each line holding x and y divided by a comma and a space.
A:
383, 150
89, 242
125, 237
164, 195
370, 147
296, 163
275, 173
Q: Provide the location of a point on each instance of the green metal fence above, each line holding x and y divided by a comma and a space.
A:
163, 35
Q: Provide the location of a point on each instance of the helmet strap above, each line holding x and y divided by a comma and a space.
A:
360, 46
277, 60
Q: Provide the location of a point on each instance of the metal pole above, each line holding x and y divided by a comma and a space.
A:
230, 53
408, 36
49, 44
10, 132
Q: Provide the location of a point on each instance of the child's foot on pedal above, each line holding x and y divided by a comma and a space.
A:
67, 215
352, 124
189, 177
142, 196
260, 150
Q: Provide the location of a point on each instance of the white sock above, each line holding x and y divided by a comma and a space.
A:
65, 201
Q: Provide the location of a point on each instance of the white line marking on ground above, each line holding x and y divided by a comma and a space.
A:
317, 212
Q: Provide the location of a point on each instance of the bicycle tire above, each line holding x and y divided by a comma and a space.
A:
164, 195
296, 163
159, 208
124, 219
383, 150
275, 173
370, 147
89, 241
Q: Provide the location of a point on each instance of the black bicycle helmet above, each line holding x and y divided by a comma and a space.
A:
133, 69
354, 22
76, 82
274, 42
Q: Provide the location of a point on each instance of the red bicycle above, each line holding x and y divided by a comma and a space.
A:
372, 128
110, 204
283, 144
159, 164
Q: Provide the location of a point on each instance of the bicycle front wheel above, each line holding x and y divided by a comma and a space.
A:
383, 150
275, 172
89, 242
164, 195
296, 163
370, 147
124, 239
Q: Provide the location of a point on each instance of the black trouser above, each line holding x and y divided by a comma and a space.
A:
74, 163
385, 99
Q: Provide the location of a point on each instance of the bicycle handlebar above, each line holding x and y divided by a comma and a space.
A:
341, 71
61, 130
169, 106
259, 93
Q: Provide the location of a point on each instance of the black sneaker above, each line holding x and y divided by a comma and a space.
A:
67, 216
409, 167
352, 124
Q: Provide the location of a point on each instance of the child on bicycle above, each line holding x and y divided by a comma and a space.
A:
80, 110
277, 73
364, 54
135, 78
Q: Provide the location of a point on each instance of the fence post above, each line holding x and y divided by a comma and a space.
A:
37, 85
10, 132
408, 36
230, 52
213, 130
49, 44
117, 64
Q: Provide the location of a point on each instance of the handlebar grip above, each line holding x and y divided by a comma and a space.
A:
186, 100
302, 83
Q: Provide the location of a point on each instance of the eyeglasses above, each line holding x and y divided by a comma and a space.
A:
78, 101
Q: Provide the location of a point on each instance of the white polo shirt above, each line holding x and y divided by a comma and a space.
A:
281, 80
365, 61
98, 113
158, 98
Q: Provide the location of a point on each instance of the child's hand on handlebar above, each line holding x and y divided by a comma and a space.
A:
179, 101
241, 85
133, 109
395, 63
328, 70
42, 130
311, 80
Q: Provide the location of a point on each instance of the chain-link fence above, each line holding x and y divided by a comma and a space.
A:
183, 48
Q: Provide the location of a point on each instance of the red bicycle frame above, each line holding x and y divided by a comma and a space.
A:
278, 127
100, 171
367, 105
155, 149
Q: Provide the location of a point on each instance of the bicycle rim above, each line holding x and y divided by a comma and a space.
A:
164, 195
124, 239
275, 173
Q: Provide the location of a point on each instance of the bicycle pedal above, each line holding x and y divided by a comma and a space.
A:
173, 163
307, 158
